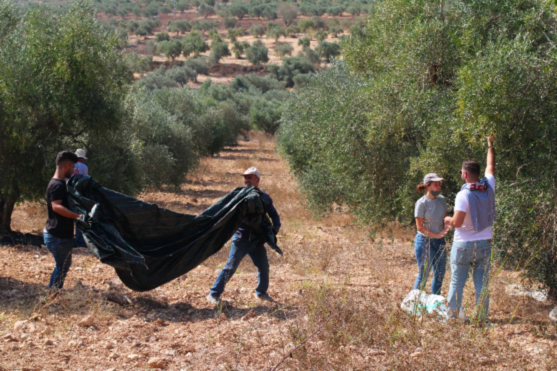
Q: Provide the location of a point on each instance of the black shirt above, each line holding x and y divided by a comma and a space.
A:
57, 225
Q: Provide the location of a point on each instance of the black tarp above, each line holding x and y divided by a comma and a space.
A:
149, 246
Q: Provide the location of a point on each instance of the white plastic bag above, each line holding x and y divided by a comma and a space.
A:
418, 302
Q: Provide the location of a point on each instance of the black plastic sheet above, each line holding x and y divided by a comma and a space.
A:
149, 246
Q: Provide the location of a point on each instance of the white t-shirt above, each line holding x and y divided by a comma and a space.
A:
80, 168
466, 232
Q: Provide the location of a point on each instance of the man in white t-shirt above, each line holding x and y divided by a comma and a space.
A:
473, 221
80, 167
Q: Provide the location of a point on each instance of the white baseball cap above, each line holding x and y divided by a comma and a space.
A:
432, 177
81, 153
253, 171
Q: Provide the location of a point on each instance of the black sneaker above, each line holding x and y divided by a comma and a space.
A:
264, 297
213, 299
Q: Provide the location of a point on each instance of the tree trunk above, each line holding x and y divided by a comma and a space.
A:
552, 294
6, 210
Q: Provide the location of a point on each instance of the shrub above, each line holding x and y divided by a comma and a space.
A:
183, 5
162, 36
265, 115
263, 84
193, 43
318, 22
306, 24
257, 53
327, 50
170, 49
292, 30
301, 80
291, 66
179, 26
138, 63
205, 10
257, 30
269, 13
157, 80
275, 32
321, 35
256, 11
310, 55
218, 51
287, 12
304, 42
336, 30
335, 10
181, 75
238, 9
283, 49
230, 22
199, 65
238, 48
234, 33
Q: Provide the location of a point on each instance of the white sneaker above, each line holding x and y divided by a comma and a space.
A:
213, 299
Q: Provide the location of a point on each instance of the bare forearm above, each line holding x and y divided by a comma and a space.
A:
490, 168
426, 232
64, 211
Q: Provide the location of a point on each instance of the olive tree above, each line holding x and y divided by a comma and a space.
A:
257, 53
63, 82
423, 84
287, 12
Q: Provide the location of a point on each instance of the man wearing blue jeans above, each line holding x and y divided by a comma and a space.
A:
473, 220
241, 246
58, 231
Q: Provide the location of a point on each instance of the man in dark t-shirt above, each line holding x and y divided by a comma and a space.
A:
241, 246
58, 231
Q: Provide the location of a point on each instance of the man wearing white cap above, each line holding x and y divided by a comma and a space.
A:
80, 167
241, 246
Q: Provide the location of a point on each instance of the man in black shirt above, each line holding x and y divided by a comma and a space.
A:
58, 232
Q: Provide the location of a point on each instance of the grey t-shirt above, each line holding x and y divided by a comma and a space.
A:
432, 211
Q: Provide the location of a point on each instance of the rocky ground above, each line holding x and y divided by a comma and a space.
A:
337, 294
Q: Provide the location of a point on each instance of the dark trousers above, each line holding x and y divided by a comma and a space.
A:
238, 251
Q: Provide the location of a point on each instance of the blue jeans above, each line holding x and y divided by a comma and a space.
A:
430, 254
463, 255
238, 251
61, 250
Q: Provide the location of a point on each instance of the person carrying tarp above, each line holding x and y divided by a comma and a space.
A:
241, 246
58, 231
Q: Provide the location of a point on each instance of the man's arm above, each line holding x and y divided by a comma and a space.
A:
60, 209
273, 214
490, 168
456, 220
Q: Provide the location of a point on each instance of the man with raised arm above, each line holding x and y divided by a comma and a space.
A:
241, 246
473, 221
58, 231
